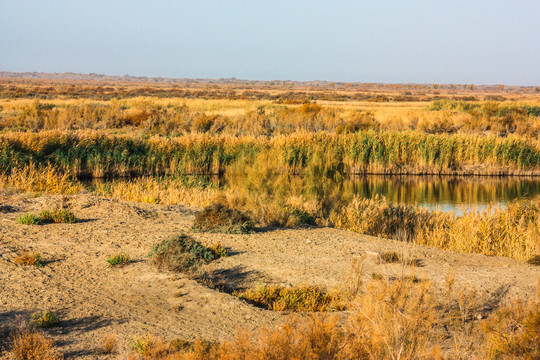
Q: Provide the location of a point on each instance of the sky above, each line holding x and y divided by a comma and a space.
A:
400, 41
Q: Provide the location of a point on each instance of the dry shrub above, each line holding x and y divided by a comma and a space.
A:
108, 343
181, 253
29, 344
219, 218
299, 298
26, 258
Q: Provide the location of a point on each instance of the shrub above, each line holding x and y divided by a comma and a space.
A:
218, 250
45, 320
220, 219
118, 259
181, 253
28, 219
31, 345
57, 216
301, 298
26, 258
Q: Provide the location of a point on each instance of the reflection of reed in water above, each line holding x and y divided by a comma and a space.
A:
433, 190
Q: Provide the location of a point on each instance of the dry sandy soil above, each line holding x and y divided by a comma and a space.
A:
92, 298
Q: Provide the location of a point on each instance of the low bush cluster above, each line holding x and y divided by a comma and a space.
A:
181, 253
221, 219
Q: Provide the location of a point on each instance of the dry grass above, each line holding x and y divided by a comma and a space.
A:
109, 343
397, 319
26, 258
27, 343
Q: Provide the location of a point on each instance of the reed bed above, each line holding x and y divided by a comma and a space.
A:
96, 154
512, 232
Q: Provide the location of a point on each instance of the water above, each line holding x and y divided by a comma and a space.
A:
446, 193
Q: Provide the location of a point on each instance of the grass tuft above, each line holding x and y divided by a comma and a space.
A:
28, 219
108, 343
46, 319
118, 260
219, 218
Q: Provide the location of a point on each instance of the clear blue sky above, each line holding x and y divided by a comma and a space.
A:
434, 41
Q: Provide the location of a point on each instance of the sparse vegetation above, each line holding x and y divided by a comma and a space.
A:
118, 260
301, 298
181, 253
26, 258
28, 219
221, 219
44, 319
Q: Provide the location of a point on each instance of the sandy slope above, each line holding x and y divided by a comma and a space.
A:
93, 299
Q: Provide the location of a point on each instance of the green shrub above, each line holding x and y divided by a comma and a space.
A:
45, 320
220, 219
118, 259
28, 219
57, 216
181, 253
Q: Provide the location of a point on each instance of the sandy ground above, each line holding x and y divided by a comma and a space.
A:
93, 298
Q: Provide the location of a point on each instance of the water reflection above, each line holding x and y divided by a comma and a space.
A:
446, 193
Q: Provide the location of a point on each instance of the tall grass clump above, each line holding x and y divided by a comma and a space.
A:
181, 253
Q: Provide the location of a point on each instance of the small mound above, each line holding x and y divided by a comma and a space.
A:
219, 218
